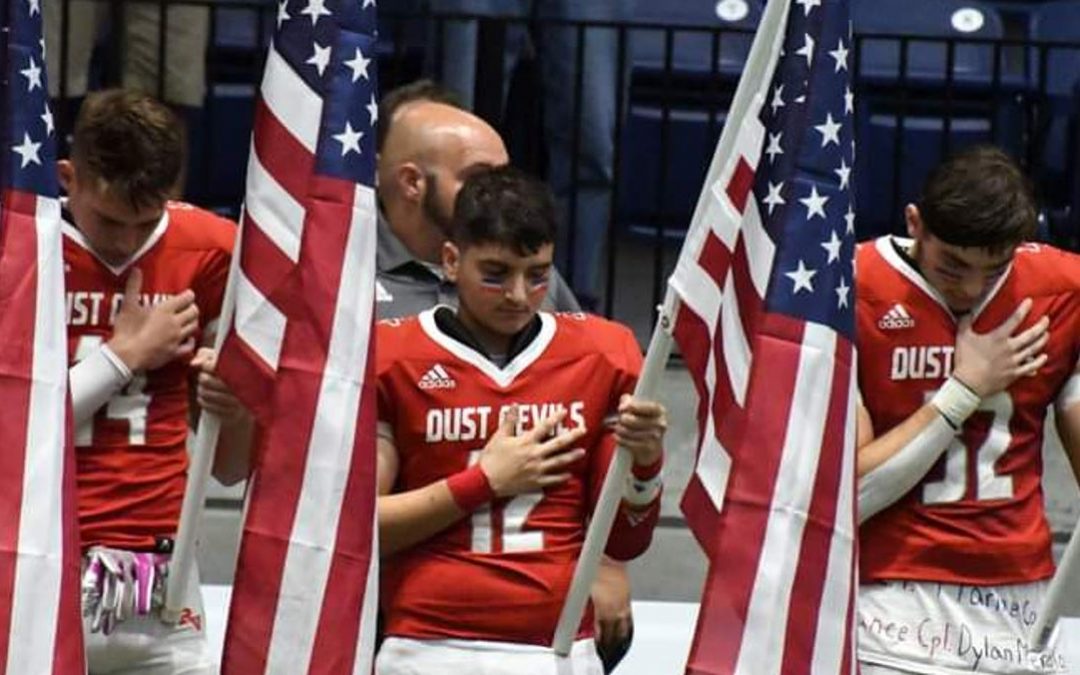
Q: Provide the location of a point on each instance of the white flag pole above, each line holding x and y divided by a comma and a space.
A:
1062, 596
611, 493
202, 462
748, 99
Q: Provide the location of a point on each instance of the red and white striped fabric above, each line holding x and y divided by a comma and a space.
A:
765, 325
40, 625
298, 352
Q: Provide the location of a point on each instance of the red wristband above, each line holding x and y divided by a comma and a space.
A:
647, 471
470, 488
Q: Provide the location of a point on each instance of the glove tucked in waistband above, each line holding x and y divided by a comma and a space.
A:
118, 584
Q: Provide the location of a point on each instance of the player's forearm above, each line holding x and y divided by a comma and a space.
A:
95, 380
638, 513
953, 402
632, 532
232, 460
883, 448
409, 518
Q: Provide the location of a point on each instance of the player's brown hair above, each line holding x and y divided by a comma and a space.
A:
130, 144
506, 206
979, 198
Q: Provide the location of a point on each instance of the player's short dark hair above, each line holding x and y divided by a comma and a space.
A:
979, 198
131, 144
418, 90
506, 206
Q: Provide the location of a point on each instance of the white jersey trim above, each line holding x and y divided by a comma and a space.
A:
75, 234
506, 375
886, 246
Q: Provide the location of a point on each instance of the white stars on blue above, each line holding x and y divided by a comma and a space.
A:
804, 180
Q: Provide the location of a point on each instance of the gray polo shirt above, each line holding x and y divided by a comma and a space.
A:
405, 286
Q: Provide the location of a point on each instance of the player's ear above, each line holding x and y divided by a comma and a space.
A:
65, 174
914, 222
451, 260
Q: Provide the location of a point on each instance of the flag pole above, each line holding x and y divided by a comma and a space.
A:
1062, 596
202, 462
607, 504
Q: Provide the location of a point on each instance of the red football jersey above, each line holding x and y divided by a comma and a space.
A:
131, 457
503, 573
977, 517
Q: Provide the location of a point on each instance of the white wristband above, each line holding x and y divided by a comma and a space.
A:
641, 492
94, 380
955, 401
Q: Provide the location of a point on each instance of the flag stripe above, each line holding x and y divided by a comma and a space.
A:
278, 215
38, 585
834, 626
356, 568
40, 631
263, 263
281, 154
17, 305
258, 323
760, 249
763, 646
291, 100
735, 343
816, 572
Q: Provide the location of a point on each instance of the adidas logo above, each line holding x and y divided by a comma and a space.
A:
896, 318
437, 378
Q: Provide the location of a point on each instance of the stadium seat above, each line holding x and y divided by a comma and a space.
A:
937, 21
654, 192
691, 88
910, 115
1054, 72
695, 21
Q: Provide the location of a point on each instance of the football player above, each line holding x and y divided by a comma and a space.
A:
967, 336
497, 424
144, 280
428, 146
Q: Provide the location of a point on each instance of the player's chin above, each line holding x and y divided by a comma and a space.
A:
512, 320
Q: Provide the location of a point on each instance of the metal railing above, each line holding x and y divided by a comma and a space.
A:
668, 101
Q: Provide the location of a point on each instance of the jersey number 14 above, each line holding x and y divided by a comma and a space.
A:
130, 404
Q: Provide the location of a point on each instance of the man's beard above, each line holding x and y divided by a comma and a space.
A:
432, 210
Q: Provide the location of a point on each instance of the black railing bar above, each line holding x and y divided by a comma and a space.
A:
950, 64
616, 161
163, 32
901, 119
575, 151
662, 164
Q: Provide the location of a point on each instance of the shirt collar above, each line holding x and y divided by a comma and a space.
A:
391, 254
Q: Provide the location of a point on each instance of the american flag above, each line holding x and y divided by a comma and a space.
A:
297, 350
766, 327
40, 626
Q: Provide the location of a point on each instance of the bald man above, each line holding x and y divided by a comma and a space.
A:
428, 147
